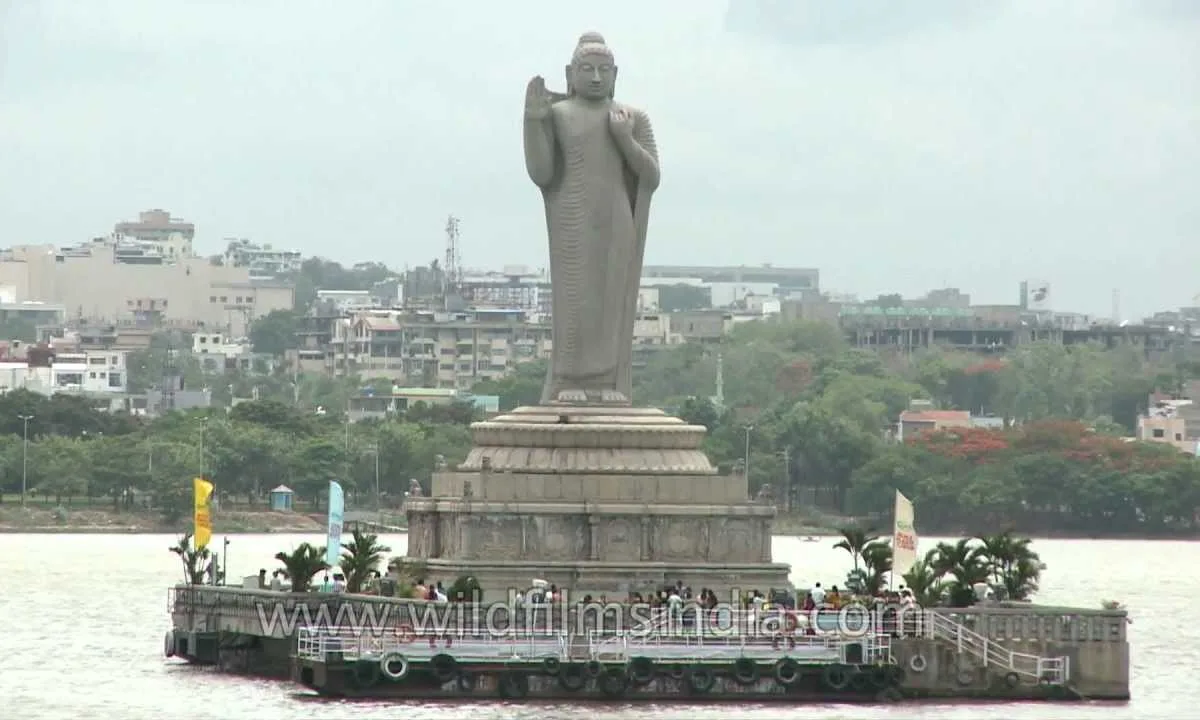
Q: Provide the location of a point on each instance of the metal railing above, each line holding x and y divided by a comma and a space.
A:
722, 635
317, 644
1055, 671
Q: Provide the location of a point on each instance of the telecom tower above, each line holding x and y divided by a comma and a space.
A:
452, 266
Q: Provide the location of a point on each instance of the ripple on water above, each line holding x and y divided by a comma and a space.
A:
75, 652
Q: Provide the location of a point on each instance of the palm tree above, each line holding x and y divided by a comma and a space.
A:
966, 564
924, 581
1020, 581
360, 557
854, 540
1012, 565
301, 564
193, 559
877, 564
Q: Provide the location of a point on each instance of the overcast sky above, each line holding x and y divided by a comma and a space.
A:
895, 146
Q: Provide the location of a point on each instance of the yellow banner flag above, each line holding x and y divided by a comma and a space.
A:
203, 489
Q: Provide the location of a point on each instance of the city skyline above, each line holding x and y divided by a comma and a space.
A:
940, 148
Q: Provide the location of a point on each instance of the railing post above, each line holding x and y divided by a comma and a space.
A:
1012, 660
958, 640
985, 652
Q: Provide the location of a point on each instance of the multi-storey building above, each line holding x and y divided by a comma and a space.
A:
1167, 422
978, 328
344, 301
84, 337
314, 338
788, 281
515, 287
156, 225
262, 261
31, 317
112, 281
422, 348
46, 370
220, 353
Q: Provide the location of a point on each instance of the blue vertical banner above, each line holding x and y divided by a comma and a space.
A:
337, 507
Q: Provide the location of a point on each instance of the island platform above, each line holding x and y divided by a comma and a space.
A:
1001, 652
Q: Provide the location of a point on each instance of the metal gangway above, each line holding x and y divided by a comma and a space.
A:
991, 654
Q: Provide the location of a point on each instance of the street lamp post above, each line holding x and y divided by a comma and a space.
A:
786, 489
25, 457
749, 429
203, 428
378, 500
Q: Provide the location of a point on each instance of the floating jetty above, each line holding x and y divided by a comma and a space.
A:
995, 652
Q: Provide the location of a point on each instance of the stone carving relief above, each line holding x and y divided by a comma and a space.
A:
493, 538
681, 542
560, 539
555, 542
733, 541
622, 541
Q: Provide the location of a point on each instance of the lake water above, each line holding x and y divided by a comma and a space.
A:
84, 617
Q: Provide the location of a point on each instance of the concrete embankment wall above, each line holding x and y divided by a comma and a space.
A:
1095, 642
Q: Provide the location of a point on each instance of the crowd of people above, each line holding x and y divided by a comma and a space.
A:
818, 599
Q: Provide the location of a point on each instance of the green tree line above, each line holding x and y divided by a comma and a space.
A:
820, 417
75, 453
817, 413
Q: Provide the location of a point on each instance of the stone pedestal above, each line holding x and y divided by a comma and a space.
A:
603, 501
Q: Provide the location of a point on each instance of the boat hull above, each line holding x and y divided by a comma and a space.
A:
623, 682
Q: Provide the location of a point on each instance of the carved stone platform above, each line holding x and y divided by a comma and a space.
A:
588, 439
601, 500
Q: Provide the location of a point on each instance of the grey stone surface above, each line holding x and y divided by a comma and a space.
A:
616, 533
585, 490
596, 163
591, 440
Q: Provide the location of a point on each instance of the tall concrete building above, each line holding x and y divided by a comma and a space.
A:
149, 278
156, 226
451, 350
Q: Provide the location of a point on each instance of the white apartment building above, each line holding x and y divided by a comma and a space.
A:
87, 372
346, 301
515, 287
431, 349
263, 261
219, 352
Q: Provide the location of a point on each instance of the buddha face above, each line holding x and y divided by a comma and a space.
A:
593, 76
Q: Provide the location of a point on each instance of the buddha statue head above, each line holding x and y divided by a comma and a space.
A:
592, 73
